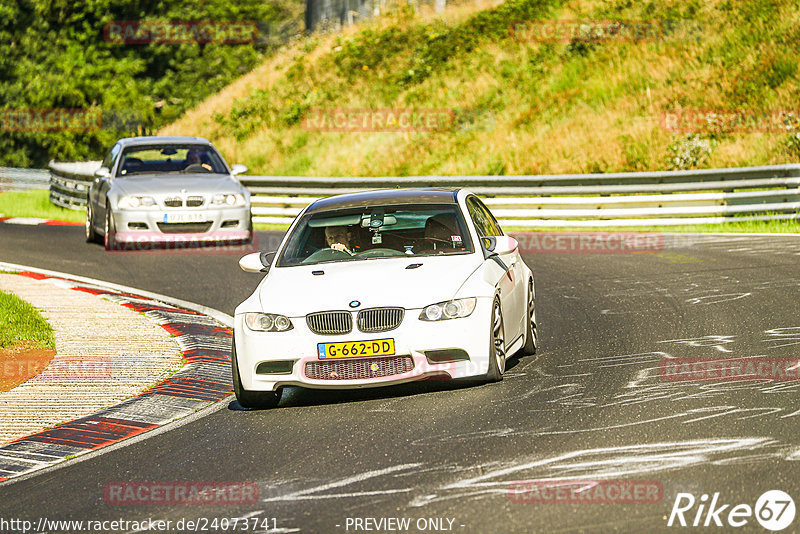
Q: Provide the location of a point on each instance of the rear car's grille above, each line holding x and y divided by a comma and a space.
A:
380, 319
193, 202
359, 369
333, 322
184, 228
173, 202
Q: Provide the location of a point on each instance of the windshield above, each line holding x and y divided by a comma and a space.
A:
170, 159
377, 232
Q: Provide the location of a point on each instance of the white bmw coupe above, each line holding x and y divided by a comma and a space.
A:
379, 288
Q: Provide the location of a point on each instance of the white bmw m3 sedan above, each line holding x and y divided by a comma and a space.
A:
383, 287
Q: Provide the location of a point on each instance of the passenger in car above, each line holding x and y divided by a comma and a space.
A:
440, 232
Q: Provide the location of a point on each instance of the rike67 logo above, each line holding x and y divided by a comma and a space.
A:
774, 510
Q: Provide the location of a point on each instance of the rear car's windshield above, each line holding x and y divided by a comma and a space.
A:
377, 232
170, 159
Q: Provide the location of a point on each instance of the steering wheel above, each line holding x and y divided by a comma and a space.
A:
195, 167
380, 253
326, 254
131, 163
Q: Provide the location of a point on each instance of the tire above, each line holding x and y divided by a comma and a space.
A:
251, 399
497, 344
531, 331
91, 235
109, 239
249, 240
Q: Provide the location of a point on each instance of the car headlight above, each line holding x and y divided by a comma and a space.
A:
267, 322
228, 199
134, 202
451, 309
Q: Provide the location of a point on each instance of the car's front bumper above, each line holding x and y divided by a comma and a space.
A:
413, 338
213, 225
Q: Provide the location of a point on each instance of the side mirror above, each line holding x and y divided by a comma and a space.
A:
238, 169
498, 245
103, 172
257, 262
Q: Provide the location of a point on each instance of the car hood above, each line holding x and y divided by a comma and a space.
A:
192, 183
296, 291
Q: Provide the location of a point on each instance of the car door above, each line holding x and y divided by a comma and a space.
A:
509, 269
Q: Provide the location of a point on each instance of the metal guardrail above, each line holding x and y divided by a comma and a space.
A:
12, 179
578, 200
69, 183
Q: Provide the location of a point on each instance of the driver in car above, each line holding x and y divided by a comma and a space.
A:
340, 238
194, 157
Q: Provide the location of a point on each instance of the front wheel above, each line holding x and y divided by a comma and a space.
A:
251, 399
497, 345
250, 234
91, 234
110, 238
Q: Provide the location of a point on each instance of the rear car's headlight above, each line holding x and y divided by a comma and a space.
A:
133, 202
229, 199
451, 309
267, 322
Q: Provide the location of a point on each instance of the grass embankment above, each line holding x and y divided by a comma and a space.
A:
520, 106
27, 342
36, 204
22, 324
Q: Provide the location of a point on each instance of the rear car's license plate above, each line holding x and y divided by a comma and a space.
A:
356, 349
185, 217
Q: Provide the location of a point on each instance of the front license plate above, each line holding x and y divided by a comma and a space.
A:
185, 217
356, 349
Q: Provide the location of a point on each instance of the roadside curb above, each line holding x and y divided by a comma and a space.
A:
35, 221
204, 338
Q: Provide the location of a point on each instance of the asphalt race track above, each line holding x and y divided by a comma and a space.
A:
590, 406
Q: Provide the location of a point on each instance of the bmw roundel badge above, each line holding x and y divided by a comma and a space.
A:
354, 304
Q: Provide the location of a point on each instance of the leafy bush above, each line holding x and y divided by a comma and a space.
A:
688, 153
53, 55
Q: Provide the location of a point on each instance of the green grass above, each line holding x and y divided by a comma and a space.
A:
36, 204
271, 226
755, 227
21, 323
